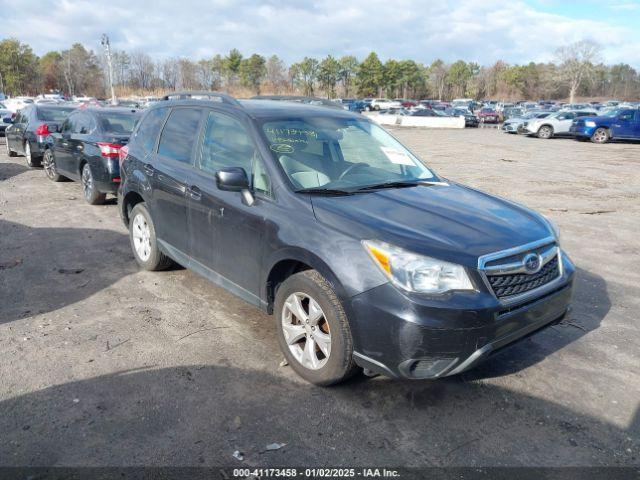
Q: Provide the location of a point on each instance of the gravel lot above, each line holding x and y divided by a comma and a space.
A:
101, 364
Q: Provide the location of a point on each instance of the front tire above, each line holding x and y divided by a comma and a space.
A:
142, 235
49, 164
313, 330
10, 153
31, 161
601, 135
545, 132
89, 189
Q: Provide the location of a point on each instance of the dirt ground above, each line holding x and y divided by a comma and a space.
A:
102, 364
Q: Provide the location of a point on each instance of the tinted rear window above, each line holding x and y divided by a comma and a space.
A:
179, 134
53, 114
117, 122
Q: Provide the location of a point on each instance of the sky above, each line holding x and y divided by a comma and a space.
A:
483, 30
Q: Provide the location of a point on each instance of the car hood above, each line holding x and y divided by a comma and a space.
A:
449, 222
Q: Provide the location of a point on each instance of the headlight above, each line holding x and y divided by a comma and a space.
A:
590, 123
417, 273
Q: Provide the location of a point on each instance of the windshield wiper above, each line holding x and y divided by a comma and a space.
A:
379, 186
324, 191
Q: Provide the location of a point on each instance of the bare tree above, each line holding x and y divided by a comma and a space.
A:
577, 64
142, 70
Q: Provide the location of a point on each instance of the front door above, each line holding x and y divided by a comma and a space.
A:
623, 125
227, 233
172, 167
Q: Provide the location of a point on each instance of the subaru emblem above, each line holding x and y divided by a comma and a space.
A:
532, 263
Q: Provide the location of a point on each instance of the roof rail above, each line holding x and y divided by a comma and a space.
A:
300, 99
218, 96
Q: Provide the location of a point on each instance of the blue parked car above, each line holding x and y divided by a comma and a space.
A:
617, 124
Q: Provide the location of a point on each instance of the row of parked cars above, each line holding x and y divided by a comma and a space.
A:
368, 259
617, 123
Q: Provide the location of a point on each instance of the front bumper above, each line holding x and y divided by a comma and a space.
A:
412, 336
582, 131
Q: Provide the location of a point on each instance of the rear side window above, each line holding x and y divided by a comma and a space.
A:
147, 132
117, 123
53, 114
180, 134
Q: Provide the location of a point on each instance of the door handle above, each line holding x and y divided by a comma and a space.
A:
148, 169
194, 192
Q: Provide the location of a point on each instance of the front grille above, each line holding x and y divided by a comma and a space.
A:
514, 284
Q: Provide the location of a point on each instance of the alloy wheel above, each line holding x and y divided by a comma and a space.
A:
141, 233
87, 182
306, 331
49, 165
600, 136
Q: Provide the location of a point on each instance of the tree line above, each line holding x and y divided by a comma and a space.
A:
576, 72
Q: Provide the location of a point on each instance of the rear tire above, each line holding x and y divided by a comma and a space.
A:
320, 327
142, 235
601, 135
89, 189
545, 132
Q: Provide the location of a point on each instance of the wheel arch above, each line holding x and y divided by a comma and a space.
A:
290, 261
130, 200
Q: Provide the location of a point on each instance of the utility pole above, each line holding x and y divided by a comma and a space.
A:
107, 52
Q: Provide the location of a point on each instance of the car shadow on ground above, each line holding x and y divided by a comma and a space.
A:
44, 269
590, 306
201, 415
9, 170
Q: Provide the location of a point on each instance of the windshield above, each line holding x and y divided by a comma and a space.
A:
117, 123
53, 114
340, 154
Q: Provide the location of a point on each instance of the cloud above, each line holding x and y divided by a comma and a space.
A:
482, 31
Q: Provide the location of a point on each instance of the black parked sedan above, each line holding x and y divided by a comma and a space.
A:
29, 129
86, 149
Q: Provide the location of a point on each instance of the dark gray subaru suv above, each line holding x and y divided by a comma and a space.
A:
364, 255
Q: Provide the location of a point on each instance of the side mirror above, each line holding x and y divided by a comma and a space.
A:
234, 179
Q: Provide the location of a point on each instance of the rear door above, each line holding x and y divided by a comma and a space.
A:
18, 130
636, 125
83, 125
172, 169
62, 146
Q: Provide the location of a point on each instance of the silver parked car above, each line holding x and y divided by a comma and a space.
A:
556, 124
515, 124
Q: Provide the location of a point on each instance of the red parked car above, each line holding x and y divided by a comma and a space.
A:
488, 115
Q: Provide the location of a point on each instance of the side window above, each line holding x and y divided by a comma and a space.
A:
226, 143
179, 135
147, 132
82, 124
68, 125
626, 115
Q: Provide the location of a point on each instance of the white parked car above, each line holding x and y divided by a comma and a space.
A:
17, 103
384, 104
556, 124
